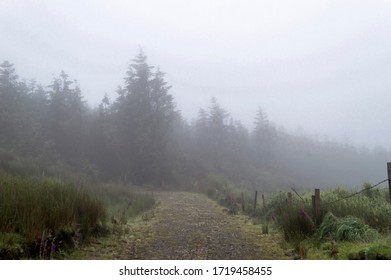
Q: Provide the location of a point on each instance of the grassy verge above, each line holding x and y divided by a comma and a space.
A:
352, 226
42, 216
46, 218
357, 227
129, 209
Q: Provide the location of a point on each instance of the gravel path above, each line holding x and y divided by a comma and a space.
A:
187, 226
191, 226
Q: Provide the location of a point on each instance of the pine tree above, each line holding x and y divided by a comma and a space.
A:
144, 114
66, 112
12, 113
264, 139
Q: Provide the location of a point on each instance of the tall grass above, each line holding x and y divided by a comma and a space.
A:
345, 229
219, 188
294, 218
345, 216
124, 202
39, 215
371, 206
32, 207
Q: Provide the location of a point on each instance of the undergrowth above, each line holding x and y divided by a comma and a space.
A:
124, 202
348, 228
46, 218
35, 209
345, 218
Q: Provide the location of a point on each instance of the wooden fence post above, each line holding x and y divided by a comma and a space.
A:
316, 206
389, 178
255, 200
243, 206
263, 201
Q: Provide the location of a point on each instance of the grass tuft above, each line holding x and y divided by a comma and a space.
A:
33, 207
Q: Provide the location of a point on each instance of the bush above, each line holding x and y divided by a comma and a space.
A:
221, 190
328, 227
371, 206
353, 229
294, 219
217, 186
16, 165
345, 229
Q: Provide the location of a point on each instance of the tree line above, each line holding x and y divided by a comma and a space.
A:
141, 137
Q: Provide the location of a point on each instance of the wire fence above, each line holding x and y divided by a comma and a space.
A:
318, 207
346, 197
356, 193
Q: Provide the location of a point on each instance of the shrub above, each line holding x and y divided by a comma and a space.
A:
353, 229
221, 190
293, 218
345, 229
328, 227
217, 185
371, 206
17, 165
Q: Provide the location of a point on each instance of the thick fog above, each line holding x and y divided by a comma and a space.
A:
321, 68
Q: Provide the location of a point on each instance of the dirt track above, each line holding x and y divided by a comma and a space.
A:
188, 226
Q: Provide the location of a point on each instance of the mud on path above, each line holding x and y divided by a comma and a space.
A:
187, 226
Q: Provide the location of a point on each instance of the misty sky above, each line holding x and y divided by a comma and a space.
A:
321, 67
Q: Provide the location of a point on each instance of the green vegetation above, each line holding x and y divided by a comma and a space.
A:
352, 226
18, 165
124, 202
223, 191
372, 206
44, 217
56, 153
345, 229
137, 135
46, 211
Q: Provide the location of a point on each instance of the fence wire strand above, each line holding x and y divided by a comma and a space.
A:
356, 193
297, 194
